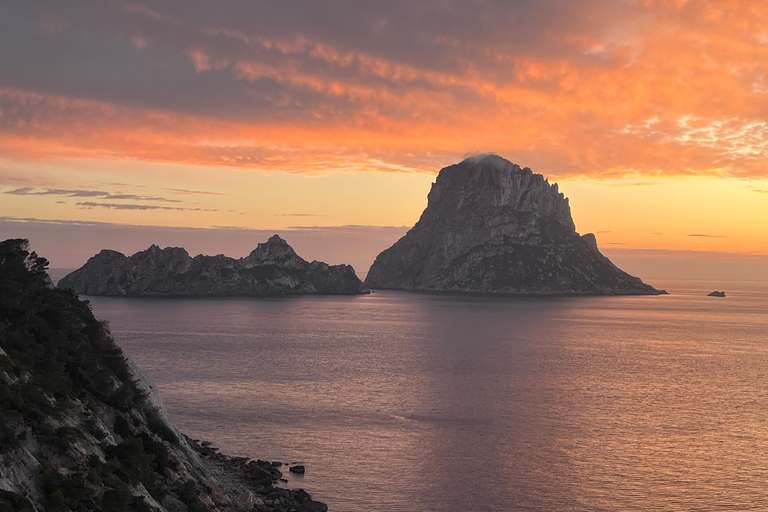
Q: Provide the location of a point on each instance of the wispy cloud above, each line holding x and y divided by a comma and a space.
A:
29, 191
706, 236
637, 184
123, 206
193, 192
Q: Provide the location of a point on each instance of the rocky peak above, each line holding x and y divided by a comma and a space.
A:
492, 226
274, 251
591, 240
489, 182
171, 259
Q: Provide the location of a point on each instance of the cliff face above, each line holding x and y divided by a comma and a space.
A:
273, 268
491, 226
82, 428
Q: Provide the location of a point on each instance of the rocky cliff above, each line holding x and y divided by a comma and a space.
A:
273, 268
491, 226
82, 429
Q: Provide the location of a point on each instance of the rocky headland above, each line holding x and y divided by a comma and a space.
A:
493, 227
83, 429
273, 268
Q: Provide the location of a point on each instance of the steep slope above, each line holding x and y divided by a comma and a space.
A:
273, 268
491, 226
81, 428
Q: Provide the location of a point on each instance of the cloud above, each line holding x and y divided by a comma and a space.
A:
637, 184
122, 206
29, 191
576, 89
298, 215
193, 192
706, 236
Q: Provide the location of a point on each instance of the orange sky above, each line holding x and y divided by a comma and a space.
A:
652, 115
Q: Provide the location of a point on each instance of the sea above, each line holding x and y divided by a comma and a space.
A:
400, 401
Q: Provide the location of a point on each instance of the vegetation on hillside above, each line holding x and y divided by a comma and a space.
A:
58, 357
56, 349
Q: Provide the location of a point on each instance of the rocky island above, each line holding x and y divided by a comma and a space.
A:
83, 429
273, 268
493, 227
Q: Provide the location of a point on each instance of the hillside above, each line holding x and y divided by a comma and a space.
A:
83, 429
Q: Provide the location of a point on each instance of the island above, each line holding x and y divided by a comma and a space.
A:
493, 227
273, 268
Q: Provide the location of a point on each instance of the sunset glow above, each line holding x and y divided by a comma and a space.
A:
651, 115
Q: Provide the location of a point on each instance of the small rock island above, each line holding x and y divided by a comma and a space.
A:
493, 227
716, 294
273, 268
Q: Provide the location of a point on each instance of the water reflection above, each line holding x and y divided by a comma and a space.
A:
401, 402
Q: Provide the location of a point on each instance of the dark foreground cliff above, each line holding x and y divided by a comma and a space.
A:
83, 429
273, 268
493, 227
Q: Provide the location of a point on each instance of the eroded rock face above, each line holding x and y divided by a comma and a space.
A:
491, 226
273, 268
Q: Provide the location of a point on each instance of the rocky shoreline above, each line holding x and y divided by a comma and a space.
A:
252, 482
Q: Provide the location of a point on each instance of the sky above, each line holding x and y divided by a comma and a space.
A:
215, 124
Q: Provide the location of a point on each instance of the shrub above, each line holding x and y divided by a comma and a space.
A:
117, 498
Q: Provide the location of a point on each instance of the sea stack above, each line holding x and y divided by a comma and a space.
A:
493, 227
273, 268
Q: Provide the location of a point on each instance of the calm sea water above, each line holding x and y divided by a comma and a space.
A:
413, 402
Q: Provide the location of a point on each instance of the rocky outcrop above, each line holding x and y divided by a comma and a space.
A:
81, 428
716, 293
273, 268
491, 226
